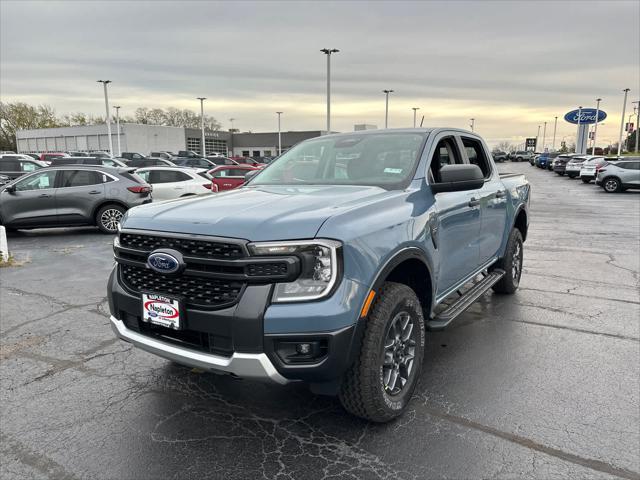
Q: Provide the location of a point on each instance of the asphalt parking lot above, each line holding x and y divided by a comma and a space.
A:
541, 384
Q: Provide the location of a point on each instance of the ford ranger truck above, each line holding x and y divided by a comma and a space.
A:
328, 267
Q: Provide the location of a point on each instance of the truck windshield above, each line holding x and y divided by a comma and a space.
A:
386, 160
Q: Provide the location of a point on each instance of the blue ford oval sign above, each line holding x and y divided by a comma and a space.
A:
163, 262
587, 116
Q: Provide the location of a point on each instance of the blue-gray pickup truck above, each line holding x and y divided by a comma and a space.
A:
328, 267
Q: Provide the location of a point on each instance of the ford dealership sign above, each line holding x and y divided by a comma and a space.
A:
587, 116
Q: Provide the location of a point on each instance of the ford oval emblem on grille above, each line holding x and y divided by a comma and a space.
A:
164, 262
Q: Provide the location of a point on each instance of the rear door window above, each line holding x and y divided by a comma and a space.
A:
476, 155
9, 165
79, 178
28, 166
167, 176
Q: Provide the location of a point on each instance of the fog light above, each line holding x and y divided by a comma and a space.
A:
303, 348
301, 351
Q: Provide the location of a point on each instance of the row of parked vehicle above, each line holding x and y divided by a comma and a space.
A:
614, 175
71, 189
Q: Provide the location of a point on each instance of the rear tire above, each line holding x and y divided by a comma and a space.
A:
511, 263
380, 383
108, 218
612, 185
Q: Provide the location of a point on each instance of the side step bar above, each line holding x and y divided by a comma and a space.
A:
443, 319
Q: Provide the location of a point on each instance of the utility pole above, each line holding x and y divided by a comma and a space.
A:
473, 123
624, 108
555, 125
595, 127
537, 137
544, 135
117, 107
279, 135
328, 52
108, 114
202, 99
579, 147
231, 120
386, 107
637, 121
415, 109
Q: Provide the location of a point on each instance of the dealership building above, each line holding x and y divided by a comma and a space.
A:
151, 138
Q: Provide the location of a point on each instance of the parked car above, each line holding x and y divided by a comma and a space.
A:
132, 156
560, 162
99, 154
619, 176
107, 162
188, 154
150, 162
325, 271
544, 159
573, 166
47, 157
251, 161
15, 165
520, 156
35, 156
164, 155
230, 177
588, 167
220, 160
171, 182
4, 179
499, 156
70, 196
194, 162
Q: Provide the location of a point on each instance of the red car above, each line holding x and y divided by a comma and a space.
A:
228, 177
249, 161
48, 156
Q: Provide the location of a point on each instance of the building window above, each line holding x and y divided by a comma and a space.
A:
213, 145
267, 153
256, 153
245, 153
194, 144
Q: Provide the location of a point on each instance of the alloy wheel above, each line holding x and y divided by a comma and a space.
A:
399, 353
611, 185
110, 219
516, 263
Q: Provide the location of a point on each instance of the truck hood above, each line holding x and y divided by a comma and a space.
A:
254, 213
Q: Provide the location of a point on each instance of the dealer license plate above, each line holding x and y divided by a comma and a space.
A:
161, 310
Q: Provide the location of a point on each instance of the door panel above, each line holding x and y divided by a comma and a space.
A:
493, 207
33, 203
78, 195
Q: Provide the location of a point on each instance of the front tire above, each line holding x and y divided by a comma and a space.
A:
612, 185
108, 218
380, 383
511, 263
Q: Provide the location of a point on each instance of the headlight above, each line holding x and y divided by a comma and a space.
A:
319, 267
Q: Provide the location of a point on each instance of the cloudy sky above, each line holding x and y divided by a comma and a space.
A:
511, 65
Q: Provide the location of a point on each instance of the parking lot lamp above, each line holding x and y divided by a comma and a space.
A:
279, 135
595, 127
555, 125
202, 99
386, 107
637, 120
415, 109
328, 52
108, 115
117, 107
537, 137
544, 135
624, 108
473, 123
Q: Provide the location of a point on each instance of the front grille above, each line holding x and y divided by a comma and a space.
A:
267, 269
197, 291
187, 246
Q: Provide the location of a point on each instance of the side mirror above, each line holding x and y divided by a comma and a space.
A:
458, 178
250, 174
10, 189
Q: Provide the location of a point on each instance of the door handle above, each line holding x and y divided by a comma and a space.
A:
94, 192
501, 193
44, 195
474, 202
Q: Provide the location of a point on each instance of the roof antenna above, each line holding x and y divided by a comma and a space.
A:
421, 121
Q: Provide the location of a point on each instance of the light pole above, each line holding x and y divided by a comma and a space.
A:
473, 123
202, 99
117, 107
595, 127
108, 120
231, 120
328, 52
386, 107
537, 137
555, 125
637, 121
415, 109
544, 135
279, 135
624, 108
578, 134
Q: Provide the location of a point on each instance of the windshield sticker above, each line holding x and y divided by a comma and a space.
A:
392, 170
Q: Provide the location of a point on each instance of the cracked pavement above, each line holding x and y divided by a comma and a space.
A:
541, 384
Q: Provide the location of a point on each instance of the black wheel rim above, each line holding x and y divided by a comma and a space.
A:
399, 353
516, 263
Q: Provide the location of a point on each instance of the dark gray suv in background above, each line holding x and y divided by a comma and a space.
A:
71, 196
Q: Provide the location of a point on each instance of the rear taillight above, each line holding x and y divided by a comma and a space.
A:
140, 189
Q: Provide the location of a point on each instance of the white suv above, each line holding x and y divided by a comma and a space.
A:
174, 182
617, 177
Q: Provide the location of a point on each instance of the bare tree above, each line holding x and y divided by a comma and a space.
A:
20, 116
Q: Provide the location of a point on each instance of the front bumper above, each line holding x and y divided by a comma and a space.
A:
246, 365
